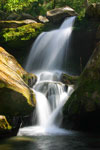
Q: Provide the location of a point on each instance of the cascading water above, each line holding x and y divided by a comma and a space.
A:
49, 53
50, 49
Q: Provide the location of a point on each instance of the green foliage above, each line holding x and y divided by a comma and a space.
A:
39, 7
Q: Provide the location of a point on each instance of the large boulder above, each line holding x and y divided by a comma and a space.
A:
83, 107
16, 98
57, 15
93, 11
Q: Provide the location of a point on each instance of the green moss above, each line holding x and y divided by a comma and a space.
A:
23, 33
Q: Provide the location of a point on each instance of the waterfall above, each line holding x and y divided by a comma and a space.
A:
47, 58
49, 51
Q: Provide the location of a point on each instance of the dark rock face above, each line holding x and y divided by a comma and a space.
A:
82, 110
59, 14
83, 107
93, 11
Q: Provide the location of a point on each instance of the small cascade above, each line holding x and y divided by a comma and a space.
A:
51, 97
47, 59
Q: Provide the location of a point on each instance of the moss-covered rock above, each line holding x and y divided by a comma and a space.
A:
83, 107
22, 33
16, 98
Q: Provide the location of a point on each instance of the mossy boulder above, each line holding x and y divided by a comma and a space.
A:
57, 15
93, 11
16, 98
83, 107
18, 36
18, 31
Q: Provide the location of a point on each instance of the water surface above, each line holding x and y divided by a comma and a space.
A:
72, 141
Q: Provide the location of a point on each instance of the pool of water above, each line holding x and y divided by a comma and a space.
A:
72, 141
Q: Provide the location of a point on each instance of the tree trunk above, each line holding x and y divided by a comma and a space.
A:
54, 4
86, 3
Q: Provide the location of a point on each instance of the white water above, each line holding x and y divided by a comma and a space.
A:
50, 49
49, 53
51, 97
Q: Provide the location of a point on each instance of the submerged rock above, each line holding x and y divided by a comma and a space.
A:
16, 98
83, 107
57, 15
